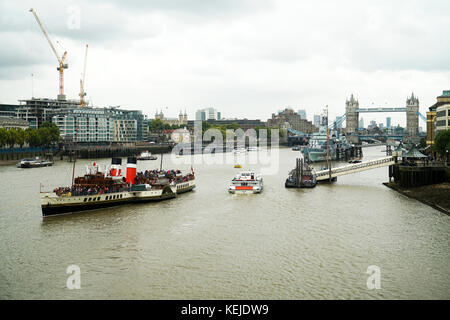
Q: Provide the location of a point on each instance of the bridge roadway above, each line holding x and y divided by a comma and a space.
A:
379, 109
354, 167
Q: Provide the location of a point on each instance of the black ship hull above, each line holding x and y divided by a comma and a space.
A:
292, 184
184, 190
35, 165
53, 210
147, 158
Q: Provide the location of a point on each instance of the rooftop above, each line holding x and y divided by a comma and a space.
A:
414, 153
13, 122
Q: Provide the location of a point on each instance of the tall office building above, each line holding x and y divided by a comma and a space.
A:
388, 122
317, 121
208, 114
372, 124
361, 123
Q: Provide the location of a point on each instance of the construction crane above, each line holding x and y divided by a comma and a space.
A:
82, 93
62, 65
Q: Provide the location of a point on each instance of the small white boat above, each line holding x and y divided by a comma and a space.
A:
146, 156
240, 150
246, 182
34, 163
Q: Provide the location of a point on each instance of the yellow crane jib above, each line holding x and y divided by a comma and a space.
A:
82, 81
62, 65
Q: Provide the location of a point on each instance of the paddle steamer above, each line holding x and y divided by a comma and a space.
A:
96, 189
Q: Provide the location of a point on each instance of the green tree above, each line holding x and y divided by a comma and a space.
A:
53, 131
442, 143
32, 138
233, 126
206, 125
45, 137
19, 136
11, 138
422, 143
3, 137
156, 125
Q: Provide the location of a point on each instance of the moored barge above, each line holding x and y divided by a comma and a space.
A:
302, 176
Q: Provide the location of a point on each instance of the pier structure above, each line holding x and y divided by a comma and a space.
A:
332, 173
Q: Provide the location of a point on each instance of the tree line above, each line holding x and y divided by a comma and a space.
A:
235, 126
442, 143
47, 135
158, 125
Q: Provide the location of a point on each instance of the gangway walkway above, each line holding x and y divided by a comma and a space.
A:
353, 168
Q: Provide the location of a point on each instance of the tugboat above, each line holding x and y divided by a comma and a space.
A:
302, 176
146, 156
96, 189
246, 182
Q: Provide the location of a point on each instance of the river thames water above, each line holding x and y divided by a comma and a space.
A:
208, 244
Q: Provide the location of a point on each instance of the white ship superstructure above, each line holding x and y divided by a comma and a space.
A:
246, 182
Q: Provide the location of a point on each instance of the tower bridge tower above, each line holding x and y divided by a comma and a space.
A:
351, 110
412, 117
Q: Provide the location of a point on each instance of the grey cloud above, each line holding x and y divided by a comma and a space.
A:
235, 53
197, 7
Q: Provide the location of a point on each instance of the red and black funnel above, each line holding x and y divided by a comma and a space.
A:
116, 164
131, 170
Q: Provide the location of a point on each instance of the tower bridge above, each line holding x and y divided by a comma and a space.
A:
352, 111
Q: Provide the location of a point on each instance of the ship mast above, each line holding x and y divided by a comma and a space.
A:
75, 155
328, 138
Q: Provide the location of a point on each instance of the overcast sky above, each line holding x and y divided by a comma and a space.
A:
245, 58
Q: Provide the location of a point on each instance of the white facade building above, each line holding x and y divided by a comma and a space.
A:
181, 136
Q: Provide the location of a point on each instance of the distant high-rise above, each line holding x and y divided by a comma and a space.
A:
317, 121
361, 123
207, 114
302, 114
388, 122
